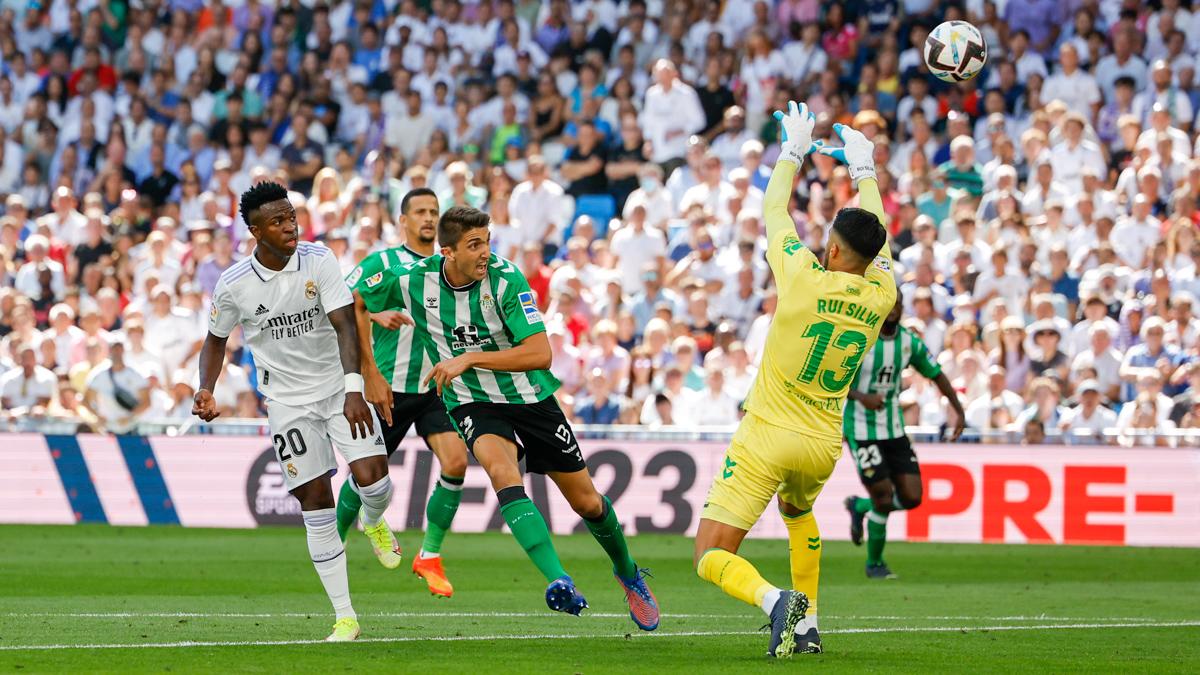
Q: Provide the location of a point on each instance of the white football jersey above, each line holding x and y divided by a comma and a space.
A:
284, 317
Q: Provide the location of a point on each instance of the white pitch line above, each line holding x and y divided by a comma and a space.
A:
476, 638
534, 615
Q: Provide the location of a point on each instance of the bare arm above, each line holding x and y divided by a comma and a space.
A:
212, 359
376, 389
944, 386
357, 413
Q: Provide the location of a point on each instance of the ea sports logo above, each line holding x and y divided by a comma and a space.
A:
267, 496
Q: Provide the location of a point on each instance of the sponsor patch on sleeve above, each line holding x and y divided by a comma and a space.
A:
352, 280
529, 306
883, 264
374, 279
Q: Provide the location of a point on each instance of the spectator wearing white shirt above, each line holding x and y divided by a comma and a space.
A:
671, 113
1028, 63
713, 406
1162, 93
1001, 282
37, 257
117, 393
409, 132
635, 245
652, 197
28, 385
1069, 157
979, 411
1134, 235
535, 207
1123, 61
1087, 421
1103, 359
713, 192
1072, 85
1160, 123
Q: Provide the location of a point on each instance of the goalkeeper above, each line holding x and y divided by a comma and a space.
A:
828, 319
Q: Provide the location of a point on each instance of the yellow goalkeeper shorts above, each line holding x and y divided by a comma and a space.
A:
764, 460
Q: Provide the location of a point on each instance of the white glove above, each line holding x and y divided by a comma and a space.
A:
857, 153
797, 126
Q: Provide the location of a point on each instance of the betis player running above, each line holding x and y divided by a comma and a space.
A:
394, 368
480, 322
874, 429
828, 318
297, 317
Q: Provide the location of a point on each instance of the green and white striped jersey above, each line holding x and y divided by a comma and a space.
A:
400, 357
880, 374
496, 313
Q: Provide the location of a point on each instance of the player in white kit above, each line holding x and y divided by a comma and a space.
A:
298, 320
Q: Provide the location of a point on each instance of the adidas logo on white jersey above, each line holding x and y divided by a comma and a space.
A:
261, 310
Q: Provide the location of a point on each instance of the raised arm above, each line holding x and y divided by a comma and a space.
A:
858, 154
796, 128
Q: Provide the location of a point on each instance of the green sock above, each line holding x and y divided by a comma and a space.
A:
348, 504
608, 532
530, 530
876, 537
439, 512
862, 505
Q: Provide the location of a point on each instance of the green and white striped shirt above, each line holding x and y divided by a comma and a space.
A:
880, 374
496, 313
400, 357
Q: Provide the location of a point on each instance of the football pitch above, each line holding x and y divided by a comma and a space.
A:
98, 598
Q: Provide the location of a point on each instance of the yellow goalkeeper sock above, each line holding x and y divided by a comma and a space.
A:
735, 576
804, 544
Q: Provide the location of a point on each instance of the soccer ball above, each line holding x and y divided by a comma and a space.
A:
955, 51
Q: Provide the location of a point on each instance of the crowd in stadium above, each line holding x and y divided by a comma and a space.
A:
1043, 215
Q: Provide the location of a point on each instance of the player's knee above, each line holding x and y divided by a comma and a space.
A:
369, 472
908, 500
455, 466
589, 506
882, 501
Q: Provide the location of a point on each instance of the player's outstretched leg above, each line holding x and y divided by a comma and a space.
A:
597, 512
375, 488
530, 530
348, 506
804, 547
718, 563
440, 510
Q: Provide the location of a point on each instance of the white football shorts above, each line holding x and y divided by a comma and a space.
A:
304, 437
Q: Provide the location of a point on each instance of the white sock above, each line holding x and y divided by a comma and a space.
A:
807, 623
375, 500
769, 600
426, 554
329, 558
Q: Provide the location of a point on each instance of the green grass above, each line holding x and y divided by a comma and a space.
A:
954, 609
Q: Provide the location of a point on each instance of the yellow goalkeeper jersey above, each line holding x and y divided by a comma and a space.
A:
825, 322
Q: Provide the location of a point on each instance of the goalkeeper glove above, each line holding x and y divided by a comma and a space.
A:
857, 153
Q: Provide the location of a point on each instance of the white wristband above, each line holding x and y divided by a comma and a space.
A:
861, 172
354, 383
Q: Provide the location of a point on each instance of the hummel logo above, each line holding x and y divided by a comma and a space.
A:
261, 310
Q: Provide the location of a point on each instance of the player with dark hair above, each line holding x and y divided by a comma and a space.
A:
481, 324
297, 318
874, 429
828, 317
398, 364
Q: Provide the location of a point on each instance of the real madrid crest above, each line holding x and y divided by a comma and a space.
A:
291, 469
310, 290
